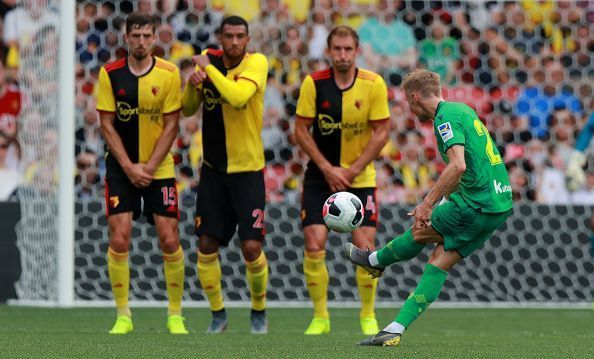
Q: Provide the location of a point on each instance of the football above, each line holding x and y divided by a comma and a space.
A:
343, 212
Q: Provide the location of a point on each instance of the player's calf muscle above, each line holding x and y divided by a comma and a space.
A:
426, 235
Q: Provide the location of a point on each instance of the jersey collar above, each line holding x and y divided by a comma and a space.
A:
437, 109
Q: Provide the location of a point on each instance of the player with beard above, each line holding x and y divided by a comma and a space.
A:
343, 122
138, 103
230, 85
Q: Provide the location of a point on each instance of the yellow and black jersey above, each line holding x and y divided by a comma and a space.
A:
139, 103
341, 118
232, 136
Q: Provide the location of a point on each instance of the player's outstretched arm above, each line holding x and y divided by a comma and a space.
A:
445, 185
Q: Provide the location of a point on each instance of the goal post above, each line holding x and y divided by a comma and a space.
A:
66, 129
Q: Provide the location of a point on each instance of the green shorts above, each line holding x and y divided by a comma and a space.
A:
463, 228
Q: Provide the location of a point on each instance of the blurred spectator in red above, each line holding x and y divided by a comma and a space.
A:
10, 107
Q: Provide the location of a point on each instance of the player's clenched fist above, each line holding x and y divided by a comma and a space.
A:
197, 78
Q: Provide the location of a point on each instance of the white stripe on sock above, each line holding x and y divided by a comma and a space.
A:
395, 328
373, 260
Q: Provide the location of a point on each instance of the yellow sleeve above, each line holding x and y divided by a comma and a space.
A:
105, 98
306, 104
379, 101
256, 70
191, 98
237, 93
172, 102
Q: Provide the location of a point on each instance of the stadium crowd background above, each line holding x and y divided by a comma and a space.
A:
525, 66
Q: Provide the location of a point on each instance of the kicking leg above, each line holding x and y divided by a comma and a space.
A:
427, 291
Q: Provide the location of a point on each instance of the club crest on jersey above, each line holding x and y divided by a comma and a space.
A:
358, 104
114, 201
155, 90
445, 131
326, 104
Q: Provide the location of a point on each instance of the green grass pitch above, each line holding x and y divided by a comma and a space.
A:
439, 333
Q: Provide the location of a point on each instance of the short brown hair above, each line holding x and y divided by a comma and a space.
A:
343, 31
422, 81
139, 19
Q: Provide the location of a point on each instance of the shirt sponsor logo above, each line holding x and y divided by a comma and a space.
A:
210, 100
445, 131
125, 112
327, 126
500, 188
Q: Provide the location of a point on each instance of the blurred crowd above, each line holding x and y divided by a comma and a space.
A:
525, 66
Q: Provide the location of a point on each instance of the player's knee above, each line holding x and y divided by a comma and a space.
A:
208, 245
119, 243
169, 244
251, 250
314, 246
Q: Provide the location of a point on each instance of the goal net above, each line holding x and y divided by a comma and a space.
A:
490, 55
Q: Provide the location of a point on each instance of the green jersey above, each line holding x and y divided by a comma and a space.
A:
485, 183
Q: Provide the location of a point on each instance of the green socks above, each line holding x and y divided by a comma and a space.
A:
426, 292
400, 248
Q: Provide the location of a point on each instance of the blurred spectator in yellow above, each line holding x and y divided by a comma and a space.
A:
22, 23
347, 13
299, 9
168, 46
247, 9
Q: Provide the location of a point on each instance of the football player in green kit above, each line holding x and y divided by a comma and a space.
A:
476, 199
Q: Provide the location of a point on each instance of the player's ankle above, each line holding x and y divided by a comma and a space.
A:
395, 328
374, 261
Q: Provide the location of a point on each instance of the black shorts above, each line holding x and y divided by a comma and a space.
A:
160, 197
226, 203
315, 194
